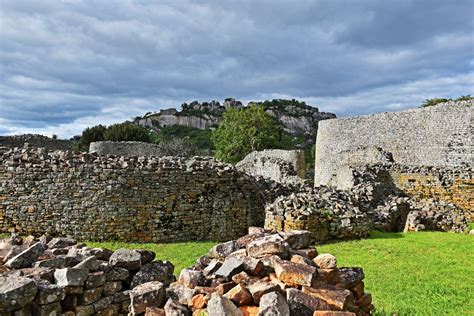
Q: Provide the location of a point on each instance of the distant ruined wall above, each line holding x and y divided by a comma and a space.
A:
438, 138
145, 199
125, 148
276, 164
35, 141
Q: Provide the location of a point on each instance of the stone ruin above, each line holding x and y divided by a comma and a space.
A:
261, 273
282, 166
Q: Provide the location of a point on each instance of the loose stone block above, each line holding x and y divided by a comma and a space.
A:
126, 258
230, 267
273, 304
90, 263
326, 261
223, 250
95, 279
337, 299
175, 308
16, 292
70, 277
53, 309
295, 274
298, 239
61, 242
304, 304
26, 258
90, 296
112, 287
268, 245
48, 293
192, 278
154, 271
239, 295
350, 277
219, 305
259, 288
150, 294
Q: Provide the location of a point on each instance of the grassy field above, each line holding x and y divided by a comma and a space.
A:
424, 273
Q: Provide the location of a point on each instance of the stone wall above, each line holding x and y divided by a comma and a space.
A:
35, 140
434, 136
125, 148
276, 164
148, 199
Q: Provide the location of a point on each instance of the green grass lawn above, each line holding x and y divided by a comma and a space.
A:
426, 273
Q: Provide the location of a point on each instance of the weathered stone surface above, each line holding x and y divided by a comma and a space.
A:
304, 304
121, 296
222, 306
302, 260
297, 239
57, 262
239, 295
146, 256
326, 261
174, 308
116, 274
90, 263
273, 304
223, 288
70, 276
253, 266
230, 267
212, 267
84, 310
102, 303
223, 250
243, 241
328, 276
249, 310
268, 245
112, 287
180, 293
150, 294
309, 253
39, 273
61, 242
95, 279
26, 258
349, 277
338, 299
101, 253
90, 296
16, 292
192, 278
154, 271
154, 311
259, 288
199, 301
48, 293
53, 309
295, 274
126, 258
252, 230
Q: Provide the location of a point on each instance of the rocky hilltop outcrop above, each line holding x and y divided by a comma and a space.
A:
298, 118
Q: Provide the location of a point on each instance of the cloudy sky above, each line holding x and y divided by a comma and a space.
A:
69, 64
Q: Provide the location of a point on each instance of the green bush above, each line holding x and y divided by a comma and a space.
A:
245, 130
89, 135
127, 132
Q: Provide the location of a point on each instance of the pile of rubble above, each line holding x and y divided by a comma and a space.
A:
269, 274
258, 274
60, 276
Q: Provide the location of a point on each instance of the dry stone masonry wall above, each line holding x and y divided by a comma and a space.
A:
284, 166
434, 136
125, 148
91, 197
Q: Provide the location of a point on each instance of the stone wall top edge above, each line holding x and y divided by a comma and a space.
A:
459, 106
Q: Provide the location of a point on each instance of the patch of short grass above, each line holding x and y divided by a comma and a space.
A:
181, 254
425, 273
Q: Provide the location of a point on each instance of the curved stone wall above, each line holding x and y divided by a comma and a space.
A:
125, 148
146, 199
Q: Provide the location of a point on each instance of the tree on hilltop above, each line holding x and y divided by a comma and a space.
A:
245, 130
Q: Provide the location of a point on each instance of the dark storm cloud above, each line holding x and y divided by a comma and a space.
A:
69, 64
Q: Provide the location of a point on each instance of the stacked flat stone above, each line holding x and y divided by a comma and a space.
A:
146, 199
61, 277
327, 212
261, 274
